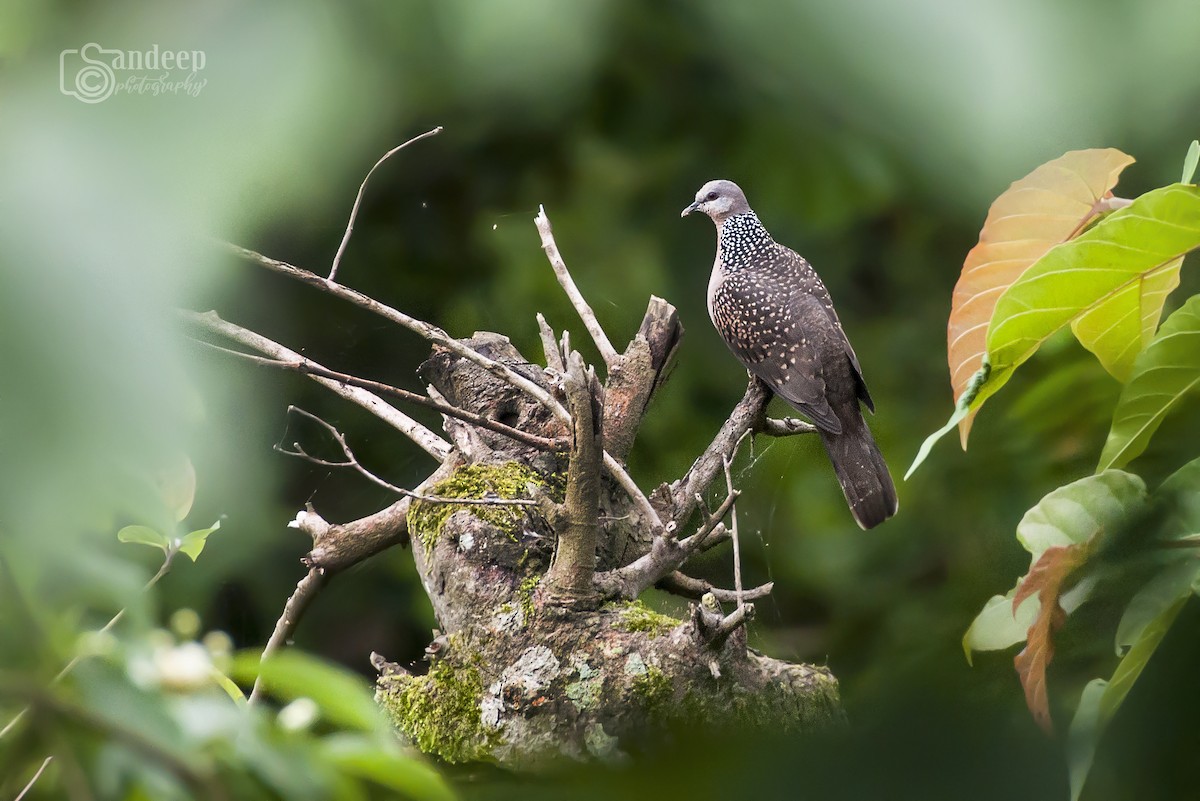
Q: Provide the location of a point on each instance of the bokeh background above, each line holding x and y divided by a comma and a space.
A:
870, 136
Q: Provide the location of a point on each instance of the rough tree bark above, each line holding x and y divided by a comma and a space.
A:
533, 546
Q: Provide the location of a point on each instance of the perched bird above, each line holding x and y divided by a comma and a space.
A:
774, 313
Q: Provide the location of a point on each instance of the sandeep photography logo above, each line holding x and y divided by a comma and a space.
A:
93, 74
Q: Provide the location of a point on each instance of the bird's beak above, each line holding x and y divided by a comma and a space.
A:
689, 209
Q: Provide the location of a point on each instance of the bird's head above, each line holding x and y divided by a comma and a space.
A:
719, 199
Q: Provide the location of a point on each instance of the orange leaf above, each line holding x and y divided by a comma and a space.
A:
1047, 578
1050, 205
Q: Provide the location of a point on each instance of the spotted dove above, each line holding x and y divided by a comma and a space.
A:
776, 316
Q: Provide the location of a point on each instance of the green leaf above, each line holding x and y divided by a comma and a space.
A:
1070, 515
1166, 371
144, 535
1170, 586
177, 486
387, 767
343, 697
1101, 699
1130, 667
1190, 161
1084, 735
1180, 495
997, 627
192, 543
230, 687
1118, 329
1182, 491
1077, 276
1076, 512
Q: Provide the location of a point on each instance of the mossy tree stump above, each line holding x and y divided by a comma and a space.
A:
525, 676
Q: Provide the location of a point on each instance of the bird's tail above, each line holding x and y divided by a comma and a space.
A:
861, 470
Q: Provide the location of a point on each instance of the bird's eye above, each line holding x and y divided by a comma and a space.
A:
711, 196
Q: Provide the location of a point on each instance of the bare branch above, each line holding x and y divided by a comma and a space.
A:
744, 417
687, 586
306, 366
352, 462
419, 327
362, 188
664, 557
293, 610
607, 351
617, 471
428, 441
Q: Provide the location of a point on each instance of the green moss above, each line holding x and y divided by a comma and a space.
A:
525, 595
636, 616
777, 706
654, 689
508, 480
785, 708
440, 713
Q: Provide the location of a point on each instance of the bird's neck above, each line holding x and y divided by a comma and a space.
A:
740, 239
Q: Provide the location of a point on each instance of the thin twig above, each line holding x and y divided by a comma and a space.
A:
436, 336
419, 327
36, 776
306, 366
733, 527
665, 556
687, 586
634, 492
607, 351
293, 610
352, 462
362, 188
427, 440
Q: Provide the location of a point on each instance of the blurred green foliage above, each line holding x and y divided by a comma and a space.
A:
870, 136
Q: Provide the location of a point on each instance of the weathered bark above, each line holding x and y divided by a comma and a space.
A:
525, 675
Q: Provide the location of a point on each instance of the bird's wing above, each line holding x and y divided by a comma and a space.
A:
789, 362
822, 294
799, 373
